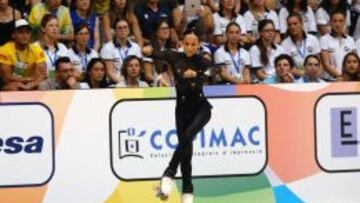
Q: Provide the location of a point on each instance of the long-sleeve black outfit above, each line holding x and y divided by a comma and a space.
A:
192, 112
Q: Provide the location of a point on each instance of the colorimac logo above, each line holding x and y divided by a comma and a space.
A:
337, 135
26, 144
232, 138
219, 141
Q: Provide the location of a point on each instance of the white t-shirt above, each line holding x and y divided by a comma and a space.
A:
118, 55
309, 22
252, 23
323, 18
235, 64
337, 50
189, 18
221, 23
272, 54
52, 56
358, 46
309, 46
79, 61
124, 84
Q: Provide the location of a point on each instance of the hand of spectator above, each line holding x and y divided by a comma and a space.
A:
189, 74
163, 83
15, 86
26, 80
71, 81
287, 77
339, 79
147, 50
200, 12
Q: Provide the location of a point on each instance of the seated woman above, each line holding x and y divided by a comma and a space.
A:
131, 70
264, 51
299, 44
49, 43
81, 12
80, 53
350, 68
160, 41
95, 76
234, 61
121, 9
334, 46
118, 50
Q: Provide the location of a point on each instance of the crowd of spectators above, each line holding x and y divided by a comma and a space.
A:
82, 44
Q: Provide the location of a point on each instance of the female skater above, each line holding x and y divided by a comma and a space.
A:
192, 111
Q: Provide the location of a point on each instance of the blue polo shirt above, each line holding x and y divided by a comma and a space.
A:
148, 17
275, 80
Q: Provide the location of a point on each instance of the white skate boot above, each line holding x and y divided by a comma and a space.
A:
187, 198
166, 184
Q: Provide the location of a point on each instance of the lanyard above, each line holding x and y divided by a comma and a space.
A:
302, 50
83, 61
237, 63
52, 60
26, 56
123, 57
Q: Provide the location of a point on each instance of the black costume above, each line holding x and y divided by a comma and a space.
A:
192, 112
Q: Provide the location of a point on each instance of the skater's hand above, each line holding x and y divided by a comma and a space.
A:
189, 74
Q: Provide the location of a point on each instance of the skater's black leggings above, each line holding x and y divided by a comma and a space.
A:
189, 121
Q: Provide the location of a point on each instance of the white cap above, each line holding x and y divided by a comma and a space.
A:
21, 23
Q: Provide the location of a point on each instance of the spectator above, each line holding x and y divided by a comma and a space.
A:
160, 41
50, 45
323, 14
150, 12
283, 66
234, 60
350, 67
166, 78
312, 67
131, 70
24, 6
64, 77
213, 4
81, 12
334, 46
80, 54
183, 18
121, 9
223, 17
264, 52
7, 21
61, 12
22, 63
300, 7
95, 76
257, 12
116, 51
101, 6
299, 44
355, 22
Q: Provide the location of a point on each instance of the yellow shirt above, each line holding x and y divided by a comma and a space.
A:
101, 6
22, 62
63, 15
